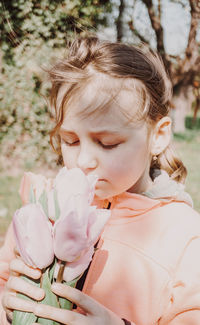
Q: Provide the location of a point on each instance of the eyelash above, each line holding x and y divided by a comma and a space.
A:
108, 147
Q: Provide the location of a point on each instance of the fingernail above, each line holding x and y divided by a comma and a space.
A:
36, 274
40, 294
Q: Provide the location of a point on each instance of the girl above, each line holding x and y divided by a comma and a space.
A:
111, 108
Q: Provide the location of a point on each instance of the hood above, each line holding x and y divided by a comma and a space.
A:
164, 188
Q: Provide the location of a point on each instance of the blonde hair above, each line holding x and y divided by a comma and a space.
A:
88, 57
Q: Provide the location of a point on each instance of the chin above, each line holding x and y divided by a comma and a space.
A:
103, 195
100, 194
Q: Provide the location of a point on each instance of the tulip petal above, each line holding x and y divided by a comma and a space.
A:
73, 182
37, 182
98, 220
70, 231
33, 236
25, 186
19, 232
78, 228
74, 269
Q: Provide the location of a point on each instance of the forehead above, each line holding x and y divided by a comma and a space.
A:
104, 99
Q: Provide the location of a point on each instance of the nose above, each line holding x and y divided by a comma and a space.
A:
86, 160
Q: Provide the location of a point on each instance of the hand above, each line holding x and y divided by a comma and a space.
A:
95, 313
16, 284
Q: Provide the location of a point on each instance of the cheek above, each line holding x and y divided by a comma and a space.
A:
69, 156
114, 166
129, 161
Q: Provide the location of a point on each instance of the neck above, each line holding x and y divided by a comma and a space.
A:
142, 185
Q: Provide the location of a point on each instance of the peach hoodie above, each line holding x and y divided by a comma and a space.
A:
147, 267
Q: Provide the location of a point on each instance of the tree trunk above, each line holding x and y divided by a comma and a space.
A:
182, 103
119, 21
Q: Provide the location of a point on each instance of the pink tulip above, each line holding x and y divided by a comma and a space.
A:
73, 181
78, 228
38, 182
69, 183
33, 236
78, 225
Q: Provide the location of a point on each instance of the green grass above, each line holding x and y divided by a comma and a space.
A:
188, 149
9, 199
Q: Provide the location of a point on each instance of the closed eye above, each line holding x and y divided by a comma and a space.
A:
105, 146
71, 143
108, 146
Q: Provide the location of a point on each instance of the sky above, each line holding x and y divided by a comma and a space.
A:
175, 20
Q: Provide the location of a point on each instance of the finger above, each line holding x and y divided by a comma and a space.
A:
17, 284
78, 297
13, 302
9, 315
19, 267
59, 315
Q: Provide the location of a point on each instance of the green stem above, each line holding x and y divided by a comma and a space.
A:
60, 272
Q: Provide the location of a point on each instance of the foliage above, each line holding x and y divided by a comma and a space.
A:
24, 117
192, 123
32, 35
27, 22
9, 200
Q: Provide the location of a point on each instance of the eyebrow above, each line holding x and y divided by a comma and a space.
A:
99, 133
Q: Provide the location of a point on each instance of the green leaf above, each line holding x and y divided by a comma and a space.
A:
22, 318
57, 209
49, 299
43, 202
32, 195
65, 303
25, 318
72, 283
52, 269
44, 321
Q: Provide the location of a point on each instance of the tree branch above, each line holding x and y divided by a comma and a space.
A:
119, 21
137, 33
157, 27
189, 67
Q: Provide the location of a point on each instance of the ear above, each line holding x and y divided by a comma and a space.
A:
161, 136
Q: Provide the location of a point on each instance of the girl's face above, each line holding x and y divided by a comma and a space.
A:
109, 145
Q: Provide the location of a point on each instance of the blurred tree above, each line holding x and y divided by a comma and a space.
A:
183, 69
23, 22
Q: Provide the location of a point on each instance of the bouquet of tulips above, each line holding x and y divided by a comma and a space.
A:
55, 231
